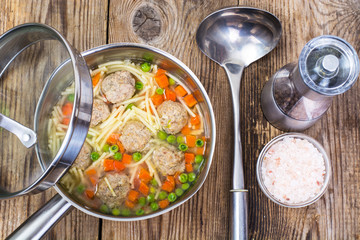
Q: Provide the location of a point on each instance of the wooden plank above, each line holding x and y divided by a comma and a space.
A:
84, 25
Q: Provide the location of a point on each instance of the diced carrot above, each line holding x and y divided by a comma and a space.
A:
200, 151
119, 166
162, 80
186, 130
195, 120
157, 99
180, 91
66, 121
67, 109
171, 180
170, 95
113, 138
190, 100
160, 72
108, 165
164, 203
121, 147
93, 180
188, 167
126, 159
189, 158
129, 204
133, 195
167, 186
197, 126
91, 172
177, 178
89, 193
95, 79
144, 175
190, 140
143, 188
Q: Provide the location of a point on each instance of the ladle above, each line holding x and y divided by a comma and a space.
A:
234, 38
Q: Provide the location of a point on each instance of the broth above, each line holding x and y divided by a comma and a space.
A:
146, 143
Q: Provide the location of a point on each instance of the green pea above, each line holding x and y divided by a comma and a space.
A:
179, 192
196, 166
162, 195
117, 156
139, 85
183, 147
154, 182
172, 197
171, 81
183, 178
151, 197
145, 67
192, 176
80, 189
129, 106
154, 206
199, 159
152, 190
139, 212
94, 156
125, 212
171, 139
185, 186
115, 212
71, 97
162, 135
104, 208
136, 156
106, 148
160, 91
142, 201
89, 136
199, 143
180, 139
114, 148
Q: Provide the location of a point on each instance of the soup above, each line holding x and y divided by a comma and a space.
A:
146, 142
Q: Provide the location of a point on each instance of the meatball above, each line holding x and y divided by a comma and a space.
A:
120, 183
100, 112
135, 135
168, 160
118, 86
173, 116
83, 160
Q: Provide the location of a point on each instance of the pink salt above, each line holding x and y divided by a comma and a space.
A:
293, 170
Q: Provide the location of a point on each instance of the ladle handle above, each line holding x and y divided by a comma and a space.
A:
43, 220
25, 135
238, 198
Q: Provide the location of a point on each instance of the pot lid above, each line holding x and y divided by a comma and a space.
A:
45, 85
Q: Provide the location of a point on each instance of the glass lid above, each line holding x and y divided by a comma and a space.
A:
45, 108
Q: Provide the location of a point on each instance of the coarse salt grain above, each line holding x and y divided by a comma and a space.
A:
293, 170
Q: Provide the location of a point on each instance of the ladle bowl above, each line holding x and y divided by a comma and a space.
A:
234, 38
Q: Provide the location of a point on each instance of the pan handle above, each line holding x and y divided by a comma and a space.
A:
42, 220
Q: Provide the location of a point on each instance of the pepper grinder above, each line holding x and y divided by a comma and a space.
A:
298, 94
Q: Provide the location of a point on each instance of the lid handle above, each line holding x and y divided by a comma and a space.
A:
25, 135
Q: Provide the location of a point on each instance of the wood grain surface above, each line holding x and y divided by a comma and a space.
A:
171, 25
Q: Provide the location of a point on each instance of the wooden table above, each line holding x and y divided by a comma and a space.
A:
171, 25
